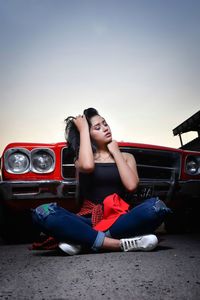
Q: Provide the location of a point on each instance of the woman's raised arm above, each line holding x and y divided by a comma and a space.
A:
85, 161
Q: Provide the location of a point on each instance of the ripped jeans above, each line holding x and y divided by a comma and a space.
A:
65, 226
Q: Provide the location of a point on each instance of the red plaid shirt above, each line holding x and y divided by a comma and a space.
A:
95, 210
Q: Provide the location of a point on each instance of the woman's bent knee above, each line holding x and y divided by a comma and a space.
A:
44, 210
160, 206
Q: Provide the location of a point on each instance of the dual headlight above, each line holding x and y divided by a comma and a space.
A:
20, 160
192, 165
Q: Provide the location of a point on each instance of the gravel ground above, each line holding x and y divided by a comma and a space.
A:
172, 271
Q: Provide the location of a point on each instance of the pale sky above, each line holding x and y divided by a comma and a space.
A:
137, 62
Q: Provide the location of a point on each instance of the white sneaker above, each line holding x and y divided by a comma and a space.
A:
144, 243
70, 249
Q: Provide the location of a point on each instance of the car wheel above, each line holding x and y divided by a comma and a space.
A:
16, 228
176, 222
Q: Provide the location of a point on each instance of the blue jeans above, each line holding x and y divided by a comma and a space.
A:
65, 226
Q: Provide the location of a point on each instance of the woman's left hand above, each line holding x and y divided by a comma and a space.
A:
113, 147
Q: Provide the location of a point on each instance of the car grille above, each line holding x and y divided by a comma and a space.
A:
68, 170
155, 164
151, 164
158, 172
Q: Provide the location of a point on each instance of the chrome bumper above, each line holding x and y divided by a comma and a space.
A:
58, 189
46, 189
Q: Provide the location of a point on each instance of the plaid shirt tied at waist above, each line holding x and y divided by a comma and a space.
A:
104, 215
95, 210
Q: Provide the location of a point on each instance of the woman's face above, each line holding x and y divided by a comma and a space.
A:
100, 131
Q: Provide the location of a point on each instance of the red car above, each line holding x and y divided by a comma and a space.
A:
33, 174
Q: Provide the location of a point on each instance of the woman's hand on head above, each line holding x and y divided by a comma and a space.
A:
81, 123
113, 147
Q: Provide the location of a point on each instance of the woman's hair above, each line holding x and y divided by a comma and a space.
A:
72, 134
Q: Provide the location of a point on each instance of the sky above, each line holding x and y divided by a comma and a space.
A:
136, 61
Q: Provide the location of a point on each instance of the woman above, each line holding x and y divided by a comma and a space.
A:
105, 175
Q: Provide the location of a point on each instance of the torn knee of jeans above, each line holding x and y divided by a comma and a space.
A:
45, 210
161, 206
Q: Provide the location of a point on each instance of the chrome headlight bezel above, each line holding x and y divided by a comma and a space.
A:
50, 153
29, 154
192, 165
15, 151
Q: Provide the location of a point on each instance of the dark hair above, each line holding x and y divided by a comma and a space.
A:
72, 134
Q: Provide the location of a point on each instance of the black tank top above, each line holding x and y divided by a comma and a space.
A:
104, 181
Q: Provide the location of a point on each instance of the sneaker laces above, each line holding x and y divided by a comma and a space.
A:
144, 243
130, 244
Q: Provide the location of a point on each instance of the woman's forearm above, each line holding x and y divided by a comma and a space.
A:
85, 158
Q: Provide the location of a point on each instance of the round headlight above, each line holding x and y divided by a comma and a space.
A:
17, 162
42, 161
192, 166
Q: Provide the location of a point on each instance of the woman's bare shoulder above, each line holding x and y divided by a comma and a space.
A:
128, 156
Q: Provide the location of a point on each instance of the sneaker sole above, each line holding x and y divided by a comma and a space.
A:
70, 249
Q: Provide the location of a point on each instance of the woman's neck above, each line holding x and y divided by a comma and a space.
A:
103, 156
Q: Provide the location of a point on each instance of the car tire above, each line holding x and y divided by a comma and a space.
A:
16, 229
176, 223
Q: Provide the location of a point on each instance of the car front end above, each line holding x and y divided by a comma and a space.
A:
34, 174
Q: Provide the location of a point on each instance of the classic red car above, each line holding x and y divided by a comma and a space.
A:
33, 174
